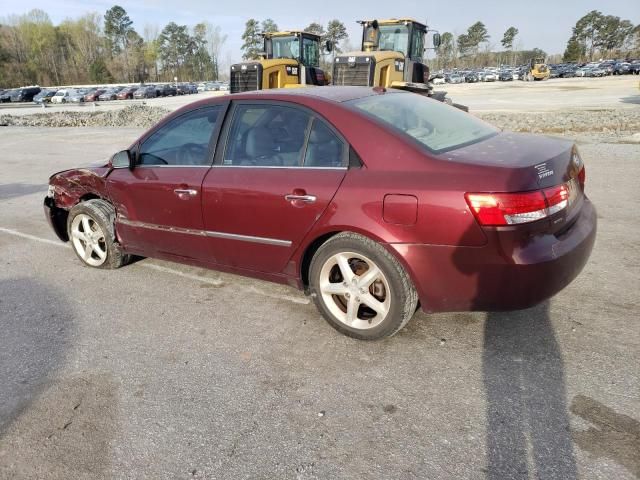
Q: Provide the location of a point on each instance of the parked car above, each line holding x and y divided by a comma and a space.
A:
621, 68
505, 76
167, 90
490, 77
78, 95
126, 93
454, 78
24, 94
301, 193
5, 97
148, 91
94, 95
596, 72
634, 67
202, 87
608, 67
62, 95
183, 89
110, 94
223, 87
438, 80
471, 77
44, 96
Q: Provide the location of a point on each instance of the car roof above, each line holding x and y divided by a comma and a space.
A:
336, 94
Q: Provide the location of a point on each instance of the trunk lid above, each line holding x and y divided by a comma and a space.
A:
520, 162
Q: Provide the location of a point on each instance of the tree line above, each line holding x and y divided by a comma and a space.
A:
105, 49
335, 32
602, 36
594, 36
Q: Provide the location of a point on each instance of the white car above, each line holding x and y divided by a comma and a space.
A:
201, 87
62, 96
438, 80
490, 77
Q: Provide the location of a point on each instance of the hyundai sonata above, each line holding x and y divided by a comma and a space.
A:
375, 202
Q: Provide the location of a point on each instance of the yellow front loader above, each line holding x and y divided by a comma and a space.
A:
391, 56
538, 70
290, 59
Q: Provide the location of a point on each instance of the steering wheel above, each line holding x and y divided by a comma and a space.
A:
192, 154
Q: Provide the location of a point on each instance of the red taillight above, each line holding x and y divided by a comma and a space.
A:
494, 209
582, 176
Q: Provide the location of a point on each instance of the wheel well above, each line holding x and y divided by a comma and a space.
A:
308, 256
89, 196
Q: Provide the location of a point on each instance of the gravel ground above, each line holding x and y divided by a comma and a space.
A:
130, 116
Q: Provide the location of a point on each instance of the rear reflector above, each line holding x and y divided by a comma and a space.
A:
492, 209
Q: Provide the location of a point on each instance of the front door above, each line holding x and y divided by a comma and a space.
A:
279, 172
159, 202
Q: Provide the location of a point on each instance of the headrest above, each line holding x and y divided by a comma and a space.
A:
259, 143
320, 133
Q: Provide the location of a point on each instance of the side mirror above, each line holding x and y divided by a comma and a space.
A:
328, 46
123, 159
437, 41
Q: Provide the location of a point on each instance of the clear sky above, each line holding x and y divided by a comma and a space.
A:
544, 24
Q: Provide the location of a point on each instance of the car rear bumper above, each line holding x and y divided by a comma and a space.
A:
499, 275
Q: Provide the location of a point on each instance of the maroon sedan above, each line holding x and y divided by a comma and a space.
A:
94, 95
372, 201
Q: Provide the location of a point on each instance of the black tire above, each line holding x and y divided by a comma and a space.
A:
104, 215
403, 296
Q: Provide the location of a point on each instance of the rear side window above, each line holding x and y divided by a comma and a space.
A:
324, 148
182, 141
436, 126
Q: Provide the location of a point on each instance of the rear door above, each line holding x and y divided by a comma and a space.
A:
159, 202
279, 170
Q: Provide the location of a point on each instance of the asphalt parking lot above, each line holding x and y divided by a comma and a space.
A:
158, 370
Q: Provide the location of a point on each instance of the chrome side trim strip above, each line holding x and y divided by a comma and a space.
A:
297, 167
206, 233
249, 238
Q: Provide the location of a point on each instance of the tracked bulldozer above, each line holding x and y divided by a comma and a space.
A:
290, 59
391, 56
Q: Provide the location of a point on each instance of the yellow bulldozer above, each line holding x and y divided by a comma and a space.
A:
391, 56
538, 70
290, 59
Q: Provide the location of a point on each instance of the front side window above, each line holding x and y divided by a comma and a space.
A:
182, 141
435, 125
311, 52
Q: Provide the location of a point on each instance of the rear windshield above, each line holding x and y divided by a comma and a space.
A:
436, 126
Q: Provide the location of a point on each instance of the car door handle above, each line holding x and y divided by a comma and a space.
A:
185, 191
301, 198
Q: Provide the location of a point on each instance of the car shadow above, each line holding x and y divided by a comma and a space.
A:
634, 99
35, 323
527, 419
14, 190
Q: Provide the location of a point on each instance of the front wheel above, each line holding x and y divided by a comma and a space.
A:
91, 231
360, 288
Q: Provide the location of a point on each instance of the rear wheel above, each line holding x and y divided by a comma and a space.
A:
360, 288
91, 231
